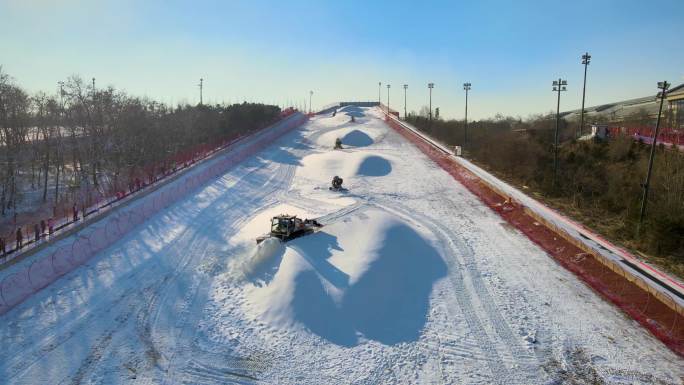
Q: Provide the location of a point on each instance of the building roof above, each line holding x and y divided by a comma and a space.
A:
677, 89
618, 110
676, 93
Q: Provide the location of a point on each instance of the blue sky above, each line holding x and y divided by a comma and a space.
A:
276, 52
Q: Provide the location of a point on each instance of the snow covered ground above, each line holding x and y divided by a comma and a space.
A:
411, 280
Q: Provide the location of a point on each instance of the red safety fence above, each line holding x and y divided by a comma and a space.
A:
91, 201
623, 290
18, 286
666, 135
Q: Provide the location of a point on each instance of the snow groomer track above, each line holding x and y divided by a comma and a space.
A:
412, 279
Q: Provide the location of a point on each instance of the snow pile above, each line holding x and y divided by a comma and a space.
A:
369, 275
339, 120
355, 111
374, 165
357, 138
351, 134
253, 261
322, 167
264, 259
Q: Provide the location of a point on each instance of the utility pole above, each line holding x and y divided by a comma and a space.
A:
663, 86
586, 58
61, 96
388, 110
430, 87
310, 95
466, 87
405, 88
200, 87
558, 86
379, 97
93, 95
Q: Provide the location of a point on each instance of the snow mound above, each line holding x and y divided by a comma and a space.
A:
352, 134
347, 165
261, 265
357, 138
369, 275
354, 111
329, 121
374, 166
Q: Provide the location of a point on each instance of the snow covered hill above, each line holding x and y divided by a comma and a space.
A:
411, 280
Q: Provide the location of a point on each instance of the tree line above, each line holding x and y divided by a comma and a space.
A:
82, 140
598, 182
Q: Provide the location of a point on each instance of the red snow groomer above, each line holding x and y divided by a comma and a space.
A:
287, 227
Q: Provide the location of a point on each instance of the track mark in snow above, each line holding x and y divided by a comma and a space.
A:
232, 371
184, 330
465, 303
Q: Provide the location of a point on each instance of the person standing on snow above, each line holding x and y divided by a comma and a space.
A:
20, 238
36, 233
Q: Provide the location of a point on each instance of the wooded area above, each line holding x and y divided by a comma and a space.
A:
83, 142
598, 183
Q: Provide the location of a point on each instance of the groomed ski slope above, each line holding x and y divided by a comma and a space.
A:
411, 280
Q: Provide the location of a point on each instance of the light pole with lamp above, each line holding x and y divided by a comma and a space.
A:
558, 86
405, 88
201, 85
466, 87
310, 95
586, 58
388, 109
662, 86
431, 86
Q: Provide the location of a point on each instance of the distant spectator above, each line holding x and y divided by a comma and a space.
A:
20, 238
43, 226
75, 212
2, 247
36, 233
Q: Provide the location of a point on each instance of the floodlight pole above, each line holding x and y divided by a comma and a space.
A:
200, 87
405, 88
379, 97
310, 95
586, 58
430, 87
663, 86
558, 86
466, 87
93, 95
388, 109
